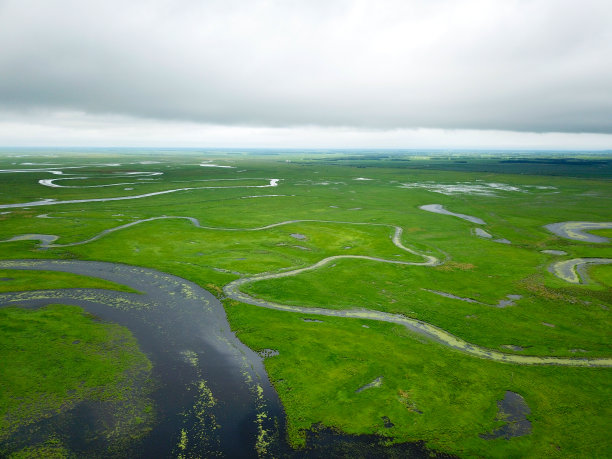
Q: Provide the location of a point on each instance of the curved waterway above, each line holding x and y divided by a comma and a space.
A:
439, 209
574, 270
50, 202
579, 231
174, 318
47, 240
51, 182
232, 290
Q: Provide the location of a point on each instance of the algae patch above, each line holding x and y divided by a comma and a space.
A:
513, 410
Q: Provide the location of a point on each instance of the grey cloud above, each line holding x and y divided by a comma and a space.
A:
512, 65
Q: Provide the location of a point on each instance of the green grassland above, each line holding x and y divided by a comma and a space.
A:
429, 392
58, 357
16, 281
602, 275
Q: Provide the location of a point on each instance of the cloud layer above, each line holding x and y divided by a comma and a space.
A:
536, 66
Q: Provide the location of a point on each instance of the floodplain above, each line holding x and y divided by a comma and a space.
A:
422, 302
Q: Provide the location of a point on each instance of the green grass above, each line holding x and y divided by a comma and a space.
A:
322, 364
602, 274
18, 280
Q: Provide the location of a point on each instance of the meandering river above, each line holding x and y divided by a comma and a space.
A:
50, 202
173, 318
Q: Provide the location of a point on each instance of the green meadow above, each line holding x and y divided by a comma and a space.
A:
496, 293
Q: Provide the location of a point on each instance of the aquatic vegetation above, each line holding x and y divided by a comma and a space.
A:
62, 359
512, 410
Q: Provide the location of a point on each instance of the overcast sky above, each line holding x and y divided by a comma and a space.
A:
288, 73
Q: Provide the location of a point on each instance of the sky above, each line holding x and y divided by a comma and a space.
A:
533, 74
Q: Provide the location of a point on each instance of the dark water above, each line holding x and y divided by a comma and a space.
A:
323, 443
513, 410
172, 319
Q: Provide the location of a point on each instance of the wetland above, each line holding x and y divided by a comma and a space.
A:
392, 328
